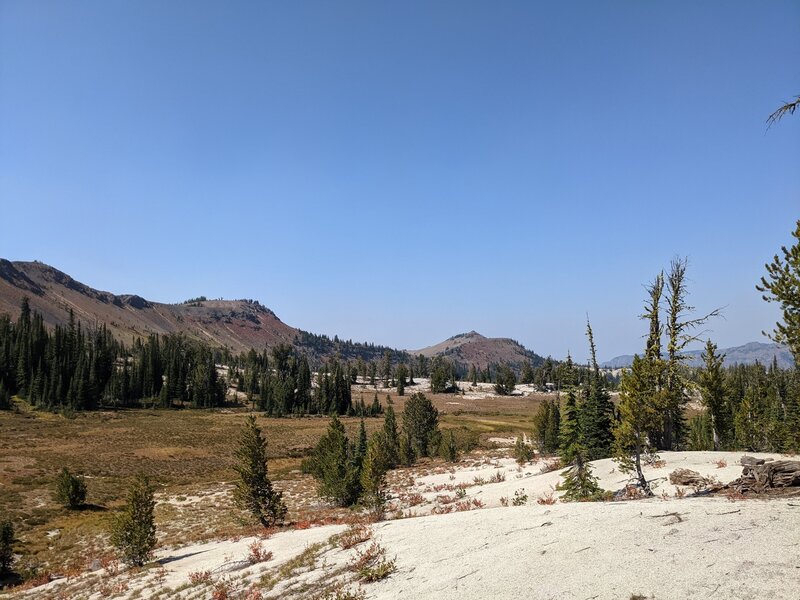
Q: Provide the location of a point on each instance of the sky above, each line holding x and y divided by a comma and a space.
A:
400, 172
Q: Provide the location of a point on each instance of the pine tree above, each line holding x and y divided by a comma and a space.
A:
597, 411
541, 420
361, 446
254, 492
373, 472
506, 380
638, 414
70, 490
712, 390
449, 447
391, 438
133, 532
527, 374
782, 285
678, 330
332, 464
421, 424
579, 483
6, 546
570, 435
5, 396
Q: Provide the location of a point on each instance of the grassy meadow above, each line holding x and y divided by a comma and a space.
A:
188, 455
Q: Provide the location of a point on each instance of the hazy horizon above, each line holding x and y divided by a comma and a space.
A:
401, 174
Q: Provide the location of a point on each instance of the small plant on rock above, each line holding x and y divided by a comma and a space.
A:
520, 498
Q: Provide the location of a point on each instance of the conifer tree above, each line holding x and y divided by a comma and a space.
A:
506, 380
373, 472
254, 492
392, 439
421, 425
361, 446
597, 411
449, 447
782, 285
527, 374
332, 464
70, 490
638, 415
133, 531
570, 431
6, 546
678, 329
712, 391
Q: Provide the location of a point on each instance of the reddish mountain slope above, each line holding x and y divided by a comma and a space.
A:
475, 349
237, 324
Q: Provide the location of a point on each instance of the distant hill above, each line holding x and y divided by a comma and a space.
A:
472, 348
747, 354
236, 324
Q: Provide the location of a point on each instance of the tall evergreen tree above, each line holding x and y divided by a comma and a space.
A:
373, 472
254, 492
133, 531
332, 464
597, 411
712, 392
782, 285
421, 424
392, 440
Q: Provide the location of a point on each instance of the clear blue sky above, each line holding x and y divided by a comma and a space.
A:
402, 172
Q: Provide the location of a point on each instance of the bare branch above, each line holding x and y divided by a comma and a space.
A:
787, 108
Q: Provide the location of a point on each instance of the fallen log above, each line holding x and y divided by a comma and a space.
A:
752, 461
769, 475
687, 477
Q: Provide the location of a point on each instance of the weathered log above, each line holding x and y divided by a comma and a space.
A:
687, 477
769, 475
752, 461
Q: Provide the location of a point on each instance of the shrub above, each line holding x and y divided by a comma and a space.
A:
520, 498
199, 577
370, 564
354, 535
546, 499
523, 452
256, 553
497, 477
550, 466
70, 490
133, 532
721, 463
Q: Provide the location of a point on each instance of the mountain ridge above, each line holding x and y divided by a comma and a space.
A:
746, 354
472, 348
239, 325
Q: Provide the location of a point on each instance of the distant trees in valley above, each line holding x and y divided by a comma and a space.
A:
72, 368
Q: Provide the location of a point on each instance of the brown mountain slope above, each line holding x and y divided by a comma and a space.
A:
475, 349
237, 324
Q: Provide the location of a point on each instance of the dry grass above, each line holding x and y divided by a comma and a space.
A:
188, 455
